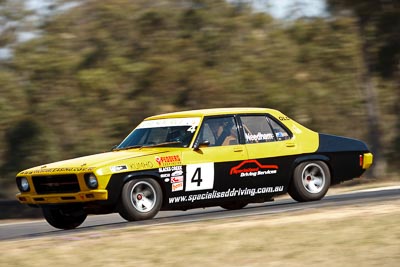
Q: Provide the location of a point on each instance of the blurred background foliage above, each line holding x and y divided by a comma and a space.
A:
94, 69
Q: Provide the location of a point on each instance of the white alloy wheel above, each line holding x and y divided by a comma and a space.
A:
313, 178
143, 196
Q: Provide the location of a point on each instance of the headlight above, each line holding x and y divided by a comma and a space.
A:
23, 184
91, 181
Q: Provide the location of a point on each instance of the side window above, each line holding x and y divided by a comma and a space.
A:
257, 129
280, 132
220, 131
207, 135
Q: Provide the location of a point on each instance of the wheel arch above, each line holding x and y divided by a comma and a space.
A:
119, 180
312, 157
297, 190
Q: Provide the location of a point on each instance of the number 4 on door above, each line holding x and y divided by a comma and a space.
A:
199, 176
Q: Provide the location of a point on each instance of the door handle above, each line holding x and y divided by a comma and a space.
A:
290, 144
237, 149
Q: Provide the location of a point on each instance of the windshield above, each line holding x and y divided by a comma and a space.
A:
176, 132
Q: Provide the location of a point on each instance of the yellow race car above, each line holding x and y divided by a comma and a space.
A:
214, 157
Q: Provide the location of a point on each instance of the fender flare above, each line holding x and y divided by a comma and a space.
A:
303, 158
118, 180
310, 157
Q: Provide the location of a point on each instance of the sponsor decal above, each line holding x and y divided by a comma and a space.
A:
177, 187
53, 170
280, 135
233, 192
253, 168
142, 165
177, 179
170, 123
284, 118
170, 169
168, 160
173, 174
177, 173
259, 137
118, 168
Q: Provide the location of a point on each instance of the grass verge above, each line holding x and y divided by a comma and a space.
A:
363, 235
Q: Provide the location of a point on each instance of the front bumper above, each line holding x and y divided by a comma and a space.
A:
92, 195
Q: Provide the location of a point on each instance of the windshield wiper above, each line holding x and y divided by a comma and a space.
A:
165, 144
127, 147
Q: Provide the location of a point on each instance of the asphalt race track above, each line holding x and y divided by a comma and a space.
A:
40, 228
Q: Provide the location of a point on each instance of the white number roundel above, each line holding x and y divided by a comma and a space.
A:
199, 176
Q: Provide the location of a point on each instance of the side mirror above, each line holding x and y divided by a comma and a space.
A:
199, 145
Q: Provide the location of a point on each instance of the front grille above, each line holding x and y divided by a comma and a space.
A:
56, 184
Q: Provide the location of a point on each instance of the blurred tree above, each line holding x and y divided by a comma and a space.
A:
18, 23
328, 71
379, 29
20, 140
98, 68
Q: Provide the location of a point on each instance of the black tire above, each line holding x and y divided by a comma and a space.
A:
141, 199
311, 181
234, 205
64, 218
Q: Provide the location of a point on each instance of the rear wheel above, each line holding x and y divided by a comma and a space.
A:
311, 181
141, 199
64, 218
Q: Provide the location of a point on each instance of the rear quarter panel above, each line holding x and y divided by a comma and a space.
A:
344, 156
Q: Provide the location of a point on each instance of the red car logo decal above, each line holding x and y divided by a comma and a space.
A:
253, 168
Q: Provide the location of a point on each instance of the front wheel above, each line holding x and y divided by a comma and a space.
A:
64, 218
311, 181
141, 199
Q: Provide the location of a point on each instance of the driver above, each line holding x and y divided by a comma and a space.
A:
223, 131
